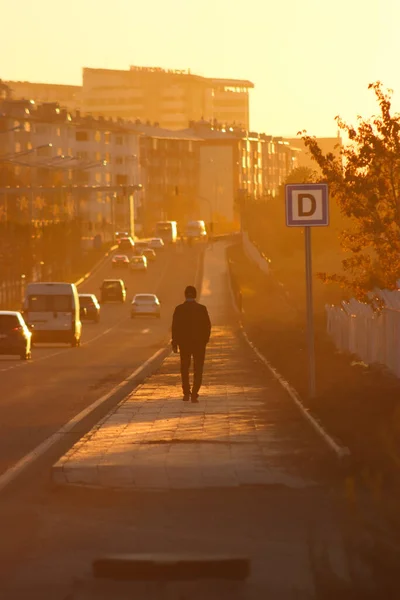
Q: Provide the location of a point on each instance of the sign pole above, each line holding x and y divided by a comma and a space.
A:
307, 205
310, 313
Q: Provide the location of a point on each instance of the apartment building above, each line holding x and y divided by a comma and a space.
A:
67, 96
279, 158
67, 166
169, 162
328, 145
170, 98
235, 164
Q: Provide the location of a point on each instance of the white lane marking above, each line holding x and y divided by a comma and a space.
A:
340, 451
47, 356
26, 461
87, 342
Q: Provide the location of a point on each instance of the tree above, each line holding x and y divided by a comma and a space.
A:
365, 182
301, 175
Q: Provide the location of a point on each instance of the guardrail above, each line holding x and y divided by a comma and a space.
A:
369, 331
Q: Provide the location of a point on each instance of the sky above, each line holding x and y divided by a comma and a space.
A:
309, 60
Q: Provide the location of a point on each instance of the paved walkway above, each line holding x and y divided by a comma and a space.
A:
244, 431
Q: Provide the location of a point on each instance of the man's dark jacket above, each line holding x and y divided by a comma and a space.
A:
191, 326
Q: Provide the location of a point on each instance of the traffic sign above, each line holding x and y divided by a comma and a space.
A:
307, 205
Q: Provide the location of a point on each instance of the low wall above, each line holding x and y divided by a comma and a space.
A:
254, 254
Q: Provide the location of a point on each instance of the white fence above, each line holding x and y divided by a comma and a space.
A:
372, 335
254, 254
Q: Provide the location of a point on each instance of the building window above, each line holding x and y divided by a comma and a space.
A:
108, 177
107, 137
59, 152
97, 136
119, 140
58, 131
82, 177
98, 156
29, 145
121, 180
155, 143
107, 157
98, 177
27, 126
119, 160
81, 136
46, 151
40, 129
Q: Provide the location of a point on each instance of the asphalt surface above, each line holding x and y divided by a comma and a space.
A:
51, 534
39, 396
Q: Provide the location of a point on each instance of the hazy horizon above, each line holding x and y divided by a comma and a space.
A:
309, 62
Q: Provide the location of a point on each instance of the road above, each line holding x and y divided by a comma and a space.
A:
39, 396
246, 474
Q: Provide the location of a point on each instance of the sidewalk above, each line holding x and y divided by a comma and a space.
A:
244, 431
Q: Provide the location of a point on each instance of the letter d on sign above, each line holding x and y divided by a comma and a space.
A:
313, 205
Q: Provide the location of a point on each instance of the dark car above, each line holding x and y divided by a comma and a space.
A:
141, 245
121, 234
113, 290
15, 336
90, 308
150, 254
126, 245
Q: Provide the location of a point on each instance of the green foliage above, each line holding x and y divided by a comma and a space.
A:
365, 182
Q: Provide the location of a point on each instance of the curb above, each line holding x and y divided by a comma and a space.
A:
26, 461
340, 451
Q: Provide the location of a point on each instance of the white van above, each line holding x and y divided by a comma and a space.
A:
53, 310
196, 230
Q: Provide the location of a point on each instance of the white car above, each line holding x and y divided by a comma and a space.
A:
155, 243
139, 263
145, 304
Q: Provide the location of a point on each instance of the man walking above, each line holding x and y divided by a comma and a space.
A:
191, 328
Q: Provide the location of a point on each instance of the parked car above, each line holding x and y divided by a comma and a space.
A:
156, 243
15, 336
150, 254
139, 263
113, 290
145, 304
126, 244
90, 307
120, 261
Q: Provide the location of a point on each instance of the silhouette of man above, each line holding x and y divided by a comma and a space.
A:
191, 328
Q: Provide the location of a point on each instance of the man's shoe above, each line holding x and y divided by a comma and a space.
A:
195, 398
186, 397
